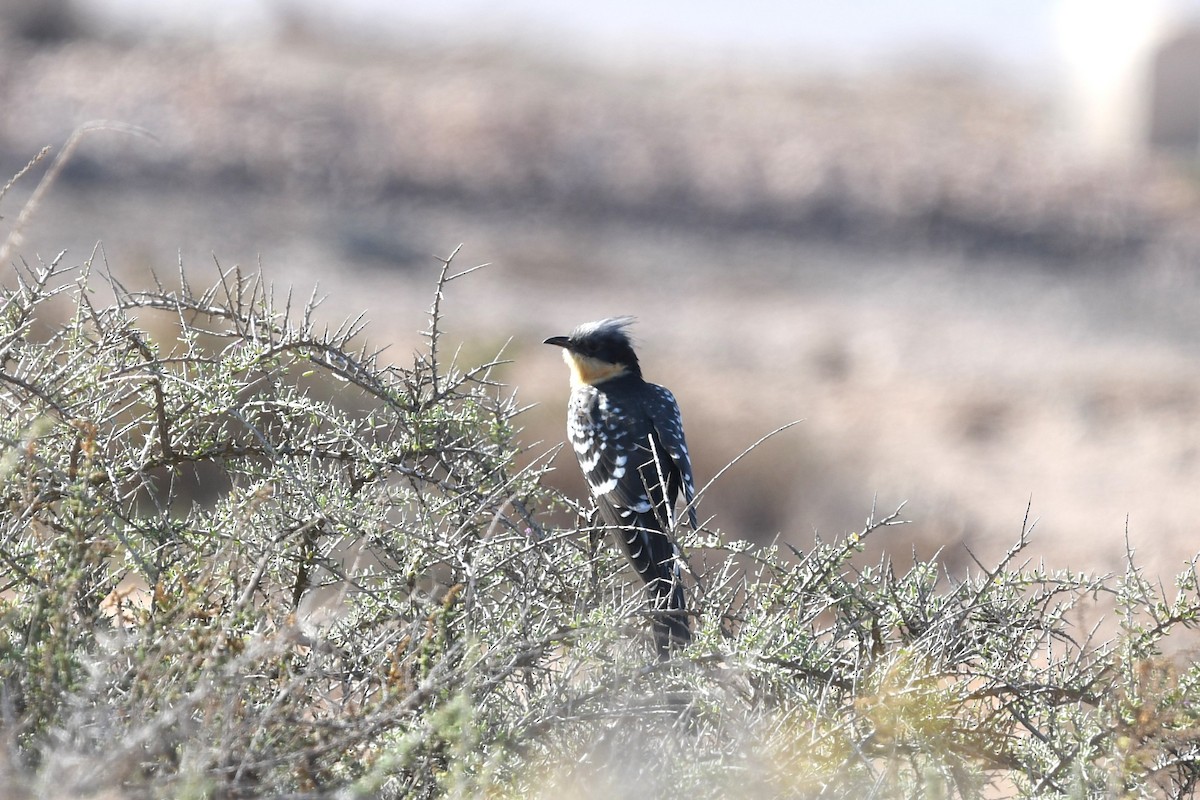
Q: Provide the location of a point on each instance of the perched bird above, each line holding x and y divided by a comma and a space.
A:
628, 436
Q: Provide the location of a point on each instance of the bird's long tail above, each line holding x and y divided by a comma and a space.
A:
670, 622
657, 562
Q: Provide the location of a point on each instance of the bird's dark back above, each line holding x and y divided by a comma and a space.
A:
619, 418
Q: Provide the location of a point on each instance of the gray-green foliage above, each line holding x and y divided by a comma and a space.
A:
241, 555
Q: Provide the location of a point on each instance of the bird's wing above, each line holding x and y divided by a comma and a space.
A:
612, 439
668, 429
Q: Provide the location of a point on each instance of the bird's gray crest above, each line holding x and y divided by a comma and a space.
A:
610, 327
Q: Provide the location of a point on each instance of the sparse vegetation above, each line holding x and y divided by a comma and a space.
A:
243, 555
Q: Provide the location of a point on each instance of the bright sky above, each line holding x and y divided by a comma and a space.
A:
1026, 39
1008, 32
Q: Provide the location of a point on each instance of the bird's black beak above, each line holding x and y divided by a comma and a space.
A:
559, 341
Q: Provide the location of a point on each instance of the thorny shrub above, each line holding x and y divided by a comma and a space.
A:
241, 555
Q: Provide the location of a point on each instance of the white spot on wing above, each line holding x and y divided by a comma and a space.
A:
619, 466
606, 487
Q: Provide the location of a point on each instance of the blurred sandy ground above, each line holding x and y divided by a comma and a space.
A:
965, 314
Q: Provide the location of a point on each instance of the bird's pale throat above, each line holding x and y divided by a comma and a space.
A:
588, 371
